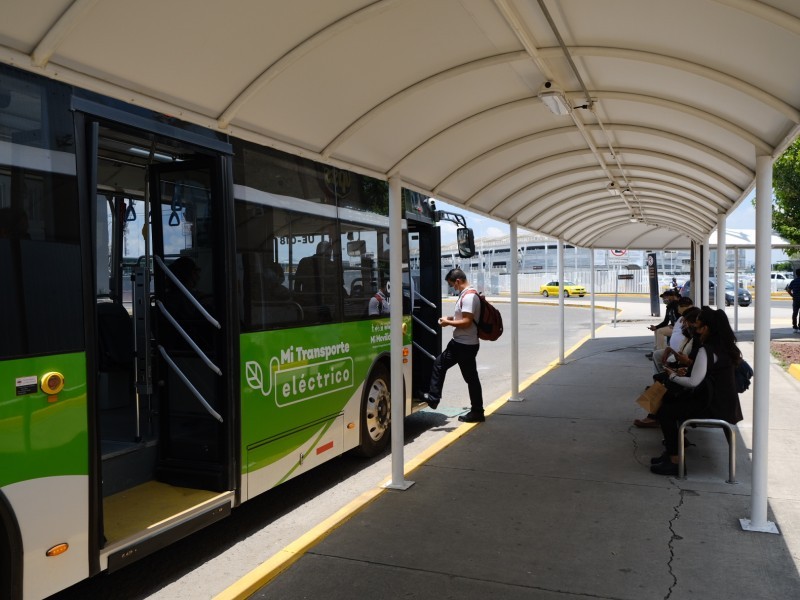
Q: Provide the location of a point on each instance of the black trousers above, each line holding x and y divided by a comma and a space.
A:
462, 355
675, 411
795, 309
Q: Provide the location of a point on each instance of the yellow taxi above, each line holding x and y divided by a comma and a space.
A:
570, 289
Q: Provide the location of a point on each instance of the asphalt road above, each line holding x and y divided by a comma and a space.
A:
210, 560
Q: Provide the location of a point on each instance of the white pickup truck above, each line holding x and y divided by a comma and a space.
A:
779, 280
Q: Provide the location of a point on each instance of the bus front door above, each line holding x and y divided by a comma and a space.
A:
424, 245
162, 401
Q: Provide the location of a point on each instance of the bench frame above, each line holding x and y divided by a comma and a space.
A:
708, 423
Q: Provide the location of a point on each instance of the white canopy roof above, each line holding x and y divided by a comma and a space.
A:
674, 99
746, 238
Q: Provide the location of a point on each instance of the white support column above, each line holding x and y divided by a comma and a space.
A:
720, 270
592, 284
398, 481
514, 255
562, 333
697, 284
761, 334
704, 258
736, 287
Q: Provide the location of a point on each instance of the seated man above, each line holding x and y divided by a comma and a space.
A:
664, 329
676, 339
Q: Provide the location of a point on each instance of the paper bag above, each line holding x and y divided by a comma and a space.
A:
650, 400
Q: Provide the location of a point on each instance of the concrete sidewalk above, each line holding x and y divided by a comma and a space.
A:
552, 498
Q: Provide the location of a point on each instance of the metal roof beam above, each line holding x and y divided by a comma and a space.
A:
760, 145
785, 109
710, 198
299, 51
476, 65
60, 30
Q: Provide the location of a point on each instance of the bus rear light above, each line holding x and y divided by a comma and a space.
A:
405, 352
57, 549
351, 425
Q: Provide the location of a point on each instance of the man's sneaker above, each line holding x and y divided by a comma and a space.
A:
472, 417
432, 401
649, 355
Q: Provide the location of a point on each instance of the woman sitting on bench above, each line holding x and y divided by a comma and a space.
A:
708, 393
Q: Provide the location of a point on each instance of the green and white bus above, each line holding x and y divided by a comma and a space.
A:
184, 324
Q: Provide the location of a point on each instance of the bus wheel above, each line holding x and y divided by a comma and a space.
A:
376, 413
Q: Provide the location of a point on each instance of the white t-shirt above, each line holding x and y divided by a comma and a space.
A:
677, 338
379, 305
468, 302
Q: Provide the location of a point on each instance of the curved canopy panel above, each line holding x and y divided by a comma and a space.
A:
610, 123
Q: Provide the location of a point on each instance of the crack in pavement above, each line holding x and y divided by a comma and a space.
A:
674, 538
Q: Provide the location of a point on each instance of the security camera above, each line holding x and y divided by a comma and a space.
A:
550, 87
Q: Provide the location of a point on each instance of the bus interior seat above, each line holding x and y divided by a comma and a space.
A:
278, 313
115, 354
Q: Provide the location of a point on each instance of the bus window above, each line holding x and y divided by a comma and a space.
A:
288, 266
38, 224
365, 263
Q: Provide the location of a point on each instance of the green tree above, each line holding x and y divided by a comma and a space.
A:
786, 187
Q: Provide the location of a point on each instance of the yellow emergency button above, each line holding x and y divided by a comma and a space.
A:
52, 383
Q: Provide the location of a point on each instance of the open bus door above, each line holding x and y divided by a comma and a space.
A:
426, 272
426, 246
189, 342
164, 398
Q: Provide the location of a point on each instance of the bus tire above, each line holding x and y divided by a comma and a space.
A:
376, 413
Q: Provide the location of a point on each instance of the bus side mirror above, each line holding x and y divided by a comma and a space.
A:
466, 242
357, 248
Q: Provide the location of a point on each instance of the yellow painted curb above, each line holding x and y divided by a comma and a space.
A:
283, 559
794, 370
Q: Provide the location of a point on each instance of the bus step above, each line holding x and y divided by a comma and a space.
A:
124, 468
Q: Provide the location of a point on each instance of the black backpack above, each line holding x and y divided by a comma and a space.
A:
743, 374
490, 321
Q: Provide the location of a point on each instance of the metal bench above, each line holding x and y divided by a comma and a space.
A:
708, 423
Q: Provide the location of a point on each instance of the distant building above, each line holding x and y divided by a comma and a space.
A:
539, 254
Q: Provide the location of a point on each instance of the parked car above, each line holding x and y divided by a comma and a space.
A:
779, 280
744, 297
570, 289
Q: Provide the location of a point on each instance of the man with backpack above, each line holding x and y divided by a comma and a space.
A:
379, 303
462, 349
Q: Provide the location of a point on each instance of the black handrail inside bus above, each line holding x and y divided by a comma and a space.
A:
187, 293
422, 324
424, 299
189, 385
188, 338
425, 352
